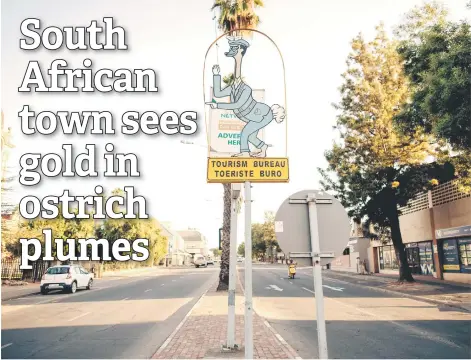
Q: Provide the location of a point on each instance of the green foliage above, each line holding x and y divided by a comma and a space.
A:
109, 229
241, 249
437, 55
216, 252
376, 166
263, 236
238, 14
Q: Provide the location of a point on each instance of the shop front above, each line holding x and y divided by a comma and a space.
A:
420, 258
388, 258
455, 252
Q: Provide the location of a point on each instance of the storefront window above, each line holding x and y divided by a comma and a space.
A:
464, 246
426, 258
451, 261
388, 255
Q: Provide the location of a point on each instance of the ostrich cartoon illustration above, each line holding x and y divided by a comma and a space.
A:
256, 115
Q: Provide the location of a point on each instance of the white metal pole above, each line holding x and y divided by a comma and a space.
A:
232, 277
316, 262
248, 273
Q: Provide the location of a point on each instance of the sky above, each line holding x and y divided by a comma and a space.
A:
172, 38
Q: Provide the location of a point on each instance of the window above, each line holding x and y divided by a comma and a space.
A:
389, 257
464, 248
58, 270
83, 271
77, 270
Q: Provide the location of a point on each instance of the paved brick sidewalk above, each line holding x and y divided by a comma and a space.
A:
204, 332
458, 296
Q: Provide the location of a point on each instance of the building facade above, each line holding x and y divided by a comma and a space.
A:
194, 242
176, 254
436, 231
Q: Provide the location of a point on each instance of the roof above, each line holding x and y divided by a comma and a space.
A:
191, 235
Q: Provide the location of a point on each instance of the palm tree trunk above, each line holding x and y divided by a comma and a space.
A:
225, 243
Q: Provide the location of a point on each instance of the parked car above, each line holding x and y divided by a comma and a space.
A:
199, 260
66, 277
210, 261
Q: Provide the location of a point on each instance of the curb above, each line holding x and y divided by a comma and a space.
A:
13, 297
283, 342
172, 335
398, 293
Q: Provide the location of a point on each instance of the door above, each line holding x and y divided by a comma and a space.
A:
413, 259
375, 260
78, 275
86, 276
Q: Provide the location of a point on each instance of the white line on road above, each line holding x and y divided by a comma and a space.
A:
148, 290
6, 345
162, 284
309, 290
125, 299
274, 287
174, 280
290, 282
78, 317
333, 288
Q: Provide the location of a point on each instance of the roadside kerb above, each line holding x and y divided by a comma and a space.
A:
283, 342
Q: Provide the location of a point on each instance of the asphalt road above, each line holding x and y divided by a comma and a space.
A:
119, 318
360, 323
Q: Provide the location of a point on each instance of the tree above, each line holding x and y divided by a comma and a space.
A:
216, 252
377, 168
264, 238
437, 60
241, 249
233, 15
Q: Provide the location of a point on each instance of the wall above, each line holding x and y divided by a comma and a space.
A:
344, 263
415, 227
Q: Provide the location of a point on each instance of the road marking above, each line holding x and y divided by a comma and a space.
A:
162, 284
78, 317
148, 290
290, 282
309, 290
6, 345
174, 280
125, 299
274, 287
333, 288
281, 278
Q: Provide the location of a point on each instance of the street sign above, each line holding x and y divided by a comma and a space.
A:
247, 129
313, 224
293, 230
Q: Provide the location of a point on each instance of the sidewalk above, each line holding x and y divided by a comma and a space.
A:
14, 292
203, 333
428, 290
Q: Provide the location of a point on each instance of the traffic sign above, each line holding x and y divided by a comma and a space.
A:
292, 227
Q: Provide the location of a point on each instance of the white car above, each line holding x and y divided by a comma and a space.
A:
210, 262
200, 261
66, 277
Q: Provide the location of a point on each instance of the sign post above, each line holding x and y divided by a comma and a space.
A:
316, 268
314, 234
240, 122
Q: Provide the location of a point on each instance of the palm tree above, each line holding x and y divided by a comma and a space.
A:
233, 15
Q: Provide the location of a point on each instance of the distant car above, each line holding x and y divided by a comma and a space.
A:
210, 262
66, 277
239, 259
200, 261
